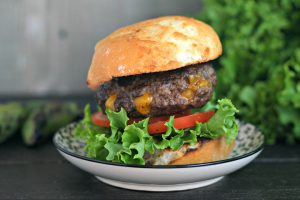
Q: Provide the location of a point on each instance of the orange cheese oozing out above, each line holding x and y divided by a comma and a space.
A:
110, 102
195, 82
143, 103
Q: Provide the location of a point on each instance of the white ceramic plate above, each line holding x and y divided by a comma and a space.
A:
249, 145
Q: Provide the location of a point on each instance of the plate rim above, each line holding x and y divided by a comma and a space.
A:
261, 147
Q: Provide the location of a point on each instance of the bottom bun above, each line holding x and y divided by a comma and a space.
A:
207, 150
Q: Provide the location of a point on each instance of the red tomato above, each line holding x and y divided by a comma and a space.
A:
157, 124
100, 119
183, 122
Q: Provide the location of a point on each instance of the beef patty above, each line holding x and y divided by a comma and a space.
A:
160, 93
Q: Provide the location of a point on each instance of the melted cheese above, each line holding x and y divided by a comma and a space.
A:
188, 93
143, 103
110, 102
195, 82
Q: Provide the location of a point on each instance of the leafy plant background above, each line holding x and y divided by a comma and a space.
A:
260, 67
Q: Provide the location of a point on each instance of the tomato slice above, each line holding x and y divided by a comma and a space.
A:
157, 124
151, 120
160, 118
188, 121
100, 119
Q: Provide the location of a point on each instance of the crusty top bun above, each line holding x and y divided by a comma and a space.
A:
155, 45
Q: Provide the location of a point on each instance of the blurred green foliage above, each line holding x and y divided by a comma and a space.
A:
260, 66
11, 115
36, 120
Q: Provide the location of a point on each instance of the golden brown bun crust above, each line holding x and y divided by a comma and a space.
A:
154, 45
209, 151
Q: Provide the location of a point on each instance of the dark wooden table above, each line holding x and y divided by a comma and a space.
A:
41, 173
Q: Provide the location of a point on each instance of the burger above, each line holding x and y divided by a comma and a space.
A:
153, 82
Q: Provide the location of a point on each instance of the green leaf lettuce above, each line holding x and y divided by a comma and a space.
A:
128, 143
